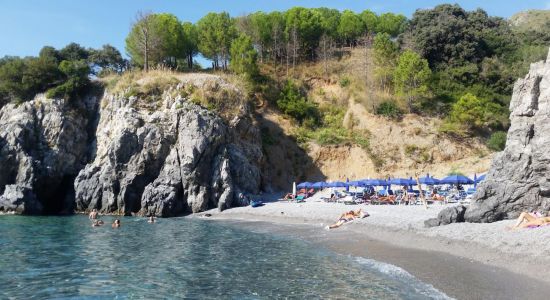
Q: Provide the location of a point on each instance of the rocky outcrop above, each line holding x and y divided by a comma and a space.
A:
43, 145
454, 214
130, 155
177, 158
519, 178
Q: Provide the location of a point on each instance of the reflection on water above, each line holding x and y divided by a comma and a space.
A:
59, 257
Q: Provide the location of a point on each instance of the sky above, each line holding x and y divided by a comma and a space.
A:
28, 25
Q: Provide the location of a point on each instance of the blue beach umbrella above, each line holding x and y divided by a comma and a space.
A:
429, 180
481, 178
456, 179
402, 181
304, 185
319, 185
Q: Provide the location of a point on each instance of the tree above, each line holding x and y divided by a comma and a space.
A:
216, 32
171, 39
447, 35
391, 24
410, 77
107, 59
385, 55
303, 27
190, 45
330, 19
370, 19
325, 51
473, 113
143, 41
73, 51
244, 57
351, 27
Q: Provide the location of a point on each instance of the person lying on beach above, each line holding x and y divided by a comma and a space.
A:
348, 217
93, 214
529, 220
151, 219
116, 224
288, 196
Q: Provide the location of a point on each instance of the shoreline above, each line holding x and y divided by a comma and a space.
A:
460, 267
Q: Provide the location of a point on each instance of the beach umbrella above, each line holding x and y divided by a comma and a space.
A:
319, 185
429, 180
456, 179
337, 184
359, 183
481, 178
304, 185
376, 182
402, 181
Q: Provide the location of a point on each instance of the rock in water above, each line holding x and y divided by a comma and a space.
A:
43, 145
519, 178
160, 155
178, 158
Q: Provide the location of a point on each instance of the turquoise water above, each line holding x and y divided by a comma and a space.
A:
66, 258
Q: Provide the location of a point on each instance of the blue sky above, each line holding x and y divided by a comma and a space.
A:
27, 25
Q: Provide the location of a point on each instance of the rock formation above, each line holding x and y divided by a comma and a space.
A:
165, 157
43, 145
519, 178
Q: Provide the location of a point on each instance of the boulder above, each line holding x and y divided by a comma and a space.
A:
519, 177
447, 216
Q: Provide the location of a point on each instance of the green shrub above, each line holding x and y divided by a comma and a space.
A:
389, 110
292, 103
497, 141
344, 81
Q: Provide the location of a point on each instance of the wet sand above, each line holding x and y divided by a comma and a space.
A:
458, 277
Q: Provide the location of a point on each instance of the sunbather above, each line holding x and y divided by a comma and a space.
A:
528, 220
348, 217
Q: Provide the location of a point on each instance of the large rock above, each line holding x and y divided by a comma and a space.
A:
179, 158
43, 146
519, 178
454, 214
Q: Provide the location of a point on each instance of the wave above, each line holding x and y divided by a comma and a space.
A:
401, 275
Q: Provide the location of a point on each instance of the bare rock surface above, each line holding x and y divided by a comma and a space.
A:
178, 158
519, 178
162, 155
43, 145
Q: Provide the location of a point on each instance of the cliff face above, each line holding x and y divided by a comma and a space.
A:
165, 158
519, 178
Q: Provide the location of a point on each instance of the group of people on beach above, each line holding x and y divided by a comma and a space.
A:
96, 222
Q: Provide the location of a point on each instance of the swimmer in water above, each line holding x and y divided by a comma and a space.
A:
93, 214
116, 224
151, 219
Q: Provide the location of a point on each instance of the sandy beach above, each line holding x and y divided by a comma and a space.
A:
466, 261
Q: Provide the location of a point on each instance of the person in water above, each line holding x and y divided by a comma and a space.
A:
529, 220
97, 223
151, 219
116, 224
348, 217
93, 214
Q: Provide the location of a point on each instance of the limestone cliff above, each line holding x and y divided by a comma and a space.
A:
129, 155
519, 178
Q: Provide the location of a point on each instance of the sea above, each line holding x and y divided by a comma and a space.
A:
64, 257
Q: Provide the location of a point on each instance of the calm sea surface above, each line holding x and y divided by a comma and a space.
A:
66, 258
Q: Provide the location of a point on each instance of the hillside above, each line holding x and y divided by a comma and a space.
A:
387, 147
